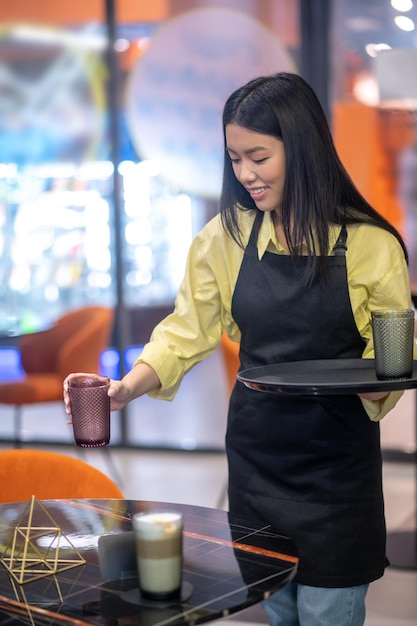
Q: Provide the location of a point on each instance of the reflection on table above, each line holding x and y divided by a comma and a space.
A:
229, 564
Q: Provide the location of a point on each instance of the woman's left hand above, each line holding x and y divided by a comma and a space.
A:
373, 395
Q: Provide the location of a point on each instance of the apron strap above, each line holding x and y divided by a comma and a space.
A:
340, 246
253, 239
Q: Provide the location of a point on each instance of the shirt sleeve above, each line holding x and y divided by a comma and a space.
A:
201, 313
378, 279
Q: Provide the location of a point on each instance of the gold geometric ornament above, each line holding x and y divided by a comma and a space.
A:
27, 559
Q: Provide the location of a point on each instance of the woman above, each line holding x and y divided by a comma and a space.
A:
291, 268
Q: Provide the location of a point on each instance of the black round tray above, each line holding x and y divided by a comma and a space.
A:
323, 377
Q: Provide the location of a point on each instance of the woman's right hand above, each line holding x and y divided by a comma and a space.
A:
119, 395
140, 380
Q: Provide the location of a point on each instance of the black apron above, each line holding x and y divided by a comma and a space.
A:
309, 466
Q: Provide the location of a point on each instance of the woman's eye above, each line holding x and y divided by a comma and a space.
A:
259, 160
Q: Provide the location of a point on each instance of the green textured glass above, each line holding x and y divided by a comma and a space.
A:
393, 334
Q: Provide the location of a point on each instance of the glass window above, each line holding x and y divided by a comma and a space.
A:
374, 54
56, 188
374, 81
176, 62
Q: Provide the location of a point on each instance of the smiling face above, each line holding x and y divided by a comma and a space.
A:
258, 162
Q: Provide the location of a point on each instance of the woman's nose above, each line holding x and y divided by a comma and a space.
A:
246, 173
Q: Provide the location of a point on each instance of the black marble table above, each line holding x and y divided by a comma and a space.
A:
228, 565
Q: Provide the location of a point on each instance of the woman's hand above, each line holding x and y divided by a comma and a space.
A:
119, 394
67, 402
373, 395
140, 380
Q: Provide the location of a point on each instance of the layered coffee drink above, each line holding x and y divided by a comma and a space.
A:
159, 553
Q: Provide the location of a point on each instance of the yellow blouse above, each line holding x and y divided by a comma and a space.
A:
377, 279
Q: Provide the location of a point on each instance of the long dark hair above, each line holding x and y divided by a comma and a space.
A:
317, 188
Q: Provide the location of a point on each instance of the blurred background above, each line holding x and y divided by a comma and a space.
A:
111, 148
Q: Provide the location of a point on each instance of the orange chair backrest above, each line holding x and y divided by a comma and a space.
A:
50, 476
230, 353
73, 344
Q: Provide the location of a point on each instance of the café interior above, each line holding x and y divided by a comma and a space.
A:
110, 163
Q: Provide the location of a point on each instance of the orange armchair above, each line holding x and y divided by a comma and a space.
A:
73, 344
49, 476
230, 352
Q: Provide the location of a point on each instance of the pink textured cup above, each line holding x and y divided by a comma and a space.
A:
90, 409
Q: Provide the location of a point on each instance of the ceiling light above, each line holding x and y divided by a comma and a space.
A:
402, 5
405, 23
365, 89
61, 37
121, 45
372, 49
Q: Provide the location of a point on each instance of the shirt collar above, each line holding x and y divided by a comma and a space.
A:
267, 237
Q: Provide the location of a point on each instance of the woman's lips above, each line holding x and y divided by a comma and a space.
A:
258, 193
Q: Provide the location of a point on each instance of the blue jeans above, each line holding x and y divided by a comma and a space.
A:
301, 605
